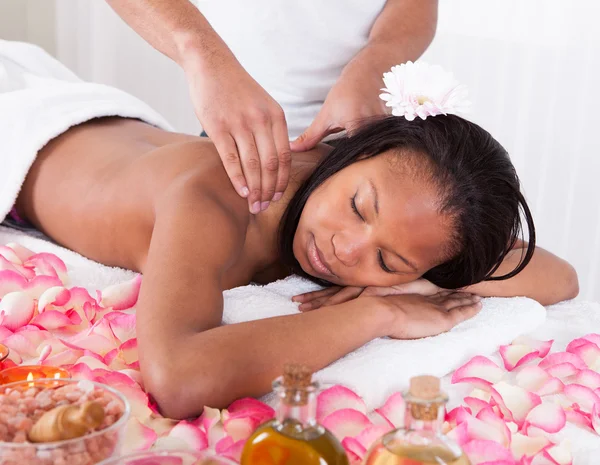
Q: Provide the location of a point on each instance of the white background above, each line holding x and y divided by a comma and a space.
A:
532, 67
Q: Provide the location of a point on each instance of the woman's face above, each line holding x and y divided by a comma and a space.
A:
374, 223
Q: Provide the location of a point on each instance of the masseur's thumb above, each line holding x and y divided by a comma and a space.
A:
311, 137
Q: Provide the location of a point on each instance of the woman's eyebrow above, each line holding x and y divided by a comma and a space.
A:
376, 207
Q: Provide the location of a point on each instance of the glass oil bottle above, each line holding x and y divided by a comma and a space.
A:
294, 437
420, 442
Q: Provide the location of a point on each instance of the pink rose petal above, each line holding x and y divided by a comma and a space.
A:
5, 332
47, 264
589, 353
480, 451
588, 378
582, 396
458, 415
138, 437
513, 356
479, 371
40, 284
579, 418
16, 310
354, 447
547, 416
393, 410
522, 445
532, 377
233, 451
22, 252
122, 325
50, 320
190, 435
476, 404
122, 296
337, 398
370, 434
241, 427
346, 423
563, 357
477, 429
543, 347
514, 401
552, 386
57, 296
11, 281
562, 371
10, 255
488, 416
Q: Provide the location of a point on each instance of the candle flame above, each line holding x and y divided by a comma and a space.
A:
30, 378
56, 375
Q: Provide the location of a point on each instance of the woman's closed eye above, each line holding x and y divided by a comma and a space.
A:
380, 259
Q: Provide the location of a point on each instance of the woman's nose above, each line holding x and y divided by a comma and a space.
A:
348, 248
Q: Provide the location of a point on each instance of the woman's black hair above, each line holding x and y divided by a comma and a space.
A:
478, 184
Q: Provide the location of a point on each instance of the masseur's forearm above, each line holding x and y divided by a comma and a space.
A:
175, 28
547, 278
219, 365
402, 32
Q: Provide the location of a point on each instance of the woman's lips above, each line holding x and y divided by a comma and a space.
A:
316, 260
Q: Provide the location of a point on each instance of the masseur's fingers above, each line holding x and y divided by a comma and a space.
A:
231, 161
316, 132
282, 145
269, 164
251, 166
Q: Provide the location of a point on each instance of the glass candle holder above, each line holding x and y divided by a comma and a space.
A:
23, 403
32, 373
4, 351
169, 457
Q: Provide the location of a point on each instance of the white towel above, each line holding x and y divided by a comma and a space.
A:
375, 370
39, 100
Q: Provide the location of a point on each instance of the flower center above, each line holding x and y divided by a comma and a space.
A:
422, 99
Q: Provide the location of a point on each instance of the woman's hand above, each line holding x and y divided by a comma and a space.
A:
246, 125
336, 294
415, 316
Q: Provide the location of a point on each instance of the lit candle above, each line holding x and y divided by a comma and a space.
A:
30, 373
4, 351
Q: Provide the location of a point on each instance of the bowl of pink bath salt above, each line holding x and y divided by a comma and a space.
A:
169, 457
52, 406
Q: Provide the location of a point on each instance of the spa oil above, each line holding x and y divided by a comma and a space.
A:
420, 442
294, 437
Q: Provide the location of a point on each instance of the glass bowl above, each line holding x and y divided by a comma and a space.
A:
169, 457
86, 450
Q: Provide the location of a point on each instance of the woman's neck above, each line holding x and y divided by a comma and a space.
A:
263, 229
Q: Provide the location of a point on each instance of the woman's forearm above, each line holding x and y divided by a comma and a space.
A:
233, 361
175, 28
547, 279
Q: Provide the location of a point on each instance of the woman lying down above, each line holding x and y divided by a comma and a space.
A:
409, 222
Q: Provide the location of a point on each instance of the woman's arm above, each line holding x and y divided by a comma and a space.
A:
547, 278
188, 360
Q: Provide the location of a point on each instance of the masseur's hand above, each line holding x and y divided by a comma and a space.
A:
336, 294
353, 98
246, 125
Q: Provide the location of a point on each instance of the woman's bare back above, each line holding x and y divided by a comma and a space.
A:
93, 189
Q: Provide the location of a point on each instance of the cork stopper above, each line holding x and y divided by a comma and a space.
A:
67, 422
425, 387
296, 379
425, 397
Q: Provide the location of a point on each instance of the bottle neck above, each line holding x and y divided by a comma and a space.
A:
302, 411
425, 416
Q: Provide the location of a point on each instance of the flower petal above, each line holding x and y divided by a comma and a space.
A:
479, 371
552, 386
476, 404
532, 377
393, 410
137, 436
55, 295
562, 371
590, 354
11, 281
488, 416
123, 295
514, 401
51, 319
370, 434
189, 435
346, 423
582, 396
547, 416
16, 310
522, 445
587, 378
337, 398
241, 427
480, 451
354, 447
543, 347
563, 357
515, 355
